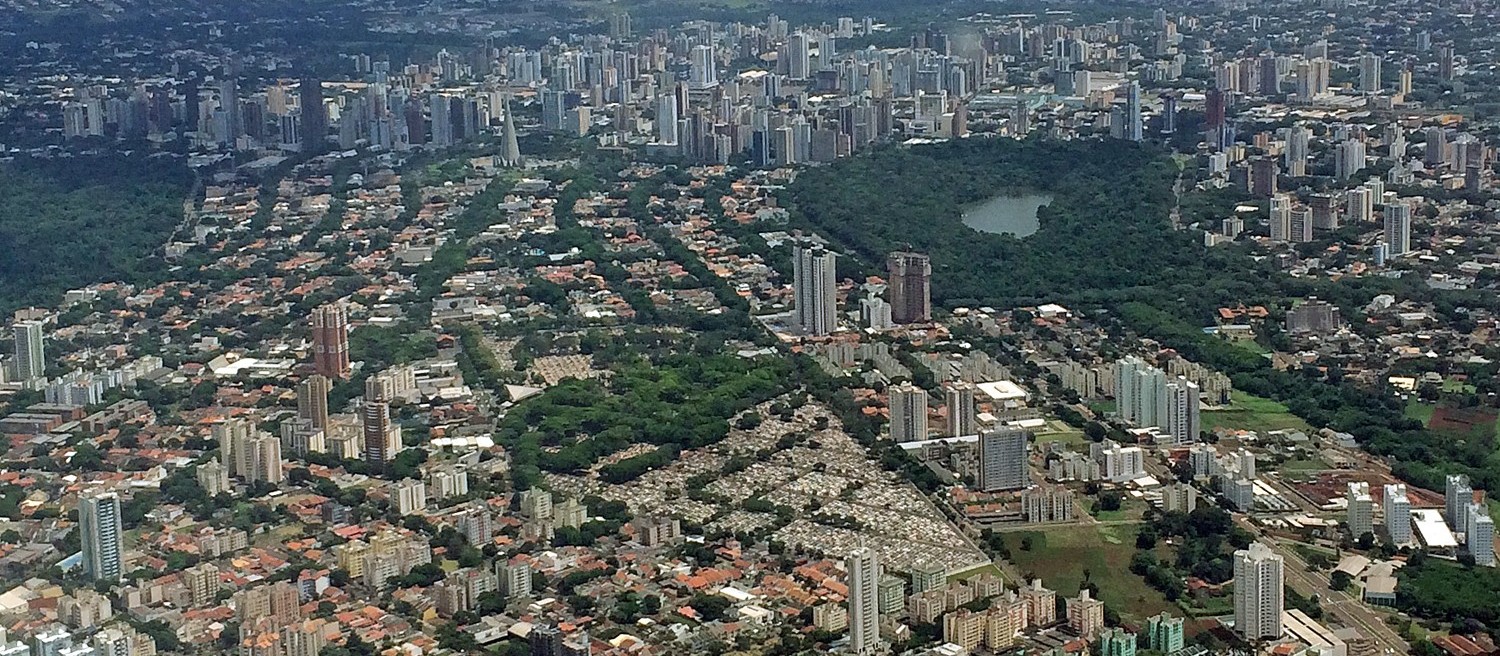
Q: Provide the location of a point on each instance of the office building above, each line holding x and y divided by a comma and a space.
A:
1182, 416
382, 436
312, 400
1457, 495
1085, 615
1164, 634
1396, 507
1258, 593
1002, 459
1398, 228
814, 291
1360, 515
100, 532
908, 413
863, 566
330, 329
30, 358
910, 281
962, 416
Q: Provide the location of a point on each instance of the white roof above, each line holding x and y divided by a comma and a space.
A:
1432, 530
1002, 390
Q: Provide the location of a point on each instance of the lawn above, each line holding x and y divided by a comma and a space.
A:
1068, 438
1249, 412
1416, 409
1302, 469
987, 568
1065, 555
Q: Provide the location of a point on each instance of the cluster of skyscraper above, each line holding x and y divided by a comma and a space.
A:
815, 291
1145, 396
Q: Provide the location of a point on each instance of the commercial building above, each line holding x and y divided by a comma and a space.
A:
1258, 593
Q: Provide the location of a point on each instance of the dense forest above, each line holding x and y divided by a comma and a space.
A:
1106, 243
70, 222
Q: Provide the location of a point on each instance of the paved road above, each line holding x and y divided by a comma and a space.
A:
1349, 610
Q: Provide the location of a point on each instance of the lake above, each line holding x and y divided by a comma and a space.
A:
1015, 215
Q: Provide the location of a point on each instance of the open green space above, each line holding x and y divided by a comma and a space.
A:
1249, 412
1069, 556
1437, 589
965, 574
1416, 409
1067, 438
1302, 469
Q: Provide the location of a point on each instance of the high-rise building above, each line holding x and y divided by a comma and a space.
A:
1179, 497
962, 419
908, 413
1002, 459
1349, 158
1140, 392
1398, 228
314, 117
1258, 593
100, 531
202, 583
1281, 218
814, 290
330, 333
1182, 416
799, 62
1296, 150
1085, 615
705, 68
1117, 642
31, 361
382, 436
1133, 125
911, 287
863, 565
213, 478
1457, 495
1361, 511
515, 578
1397, 509
1164, 634
257, 457
312, 400
1369, 72
511, 155
1480, 530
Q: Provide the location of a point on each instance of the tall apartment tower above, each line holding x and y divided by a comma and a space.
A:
1133, 112
1481, 535
1397, 508
1361, 513
314, 120
1182, 417
1457, 495
1140, 392
1398, 228
911, 287
382, 436
908, 413
814, 290
312, 400
31, 360
330, 328
1369, 72
100, 530
962, 418
1296, 150
1002, 459
1258, 593
863, 565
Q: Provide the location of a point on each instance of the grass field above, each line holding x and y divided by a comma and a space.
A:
1063, 556
1248, 412
1415, 409
972, 572
1301, 469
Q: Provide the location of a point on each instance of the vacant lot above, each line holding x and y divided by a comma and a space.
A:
1248, 412
1066, 557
